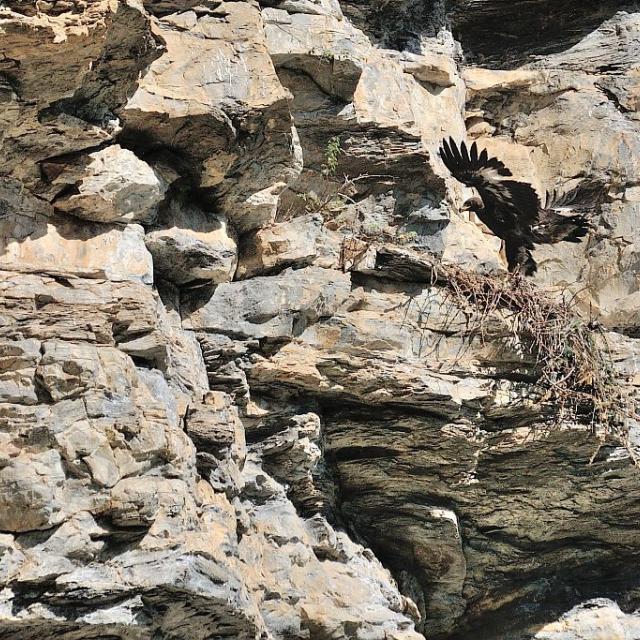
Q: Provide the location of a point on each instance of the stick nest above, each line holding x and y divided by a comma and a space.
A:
575, 374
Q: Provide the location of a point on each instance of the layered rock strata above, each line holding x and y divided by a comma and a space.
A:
237, 399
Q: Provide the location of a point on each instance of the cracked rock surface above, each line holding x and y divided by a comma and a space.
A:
236, 398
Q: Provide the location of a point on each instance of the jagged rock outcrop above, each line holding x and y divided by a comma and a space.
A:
242, 392
110, 185
189, 244
593, 619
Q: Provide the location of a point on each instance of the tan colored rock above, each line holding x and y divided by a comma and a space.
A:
139, 501
389, 97
230, 83
386, 121
113, 185
433, 68
478, 79
67, 370
215, 84
294, 242
450, 237
332, 591
377, 353
577, 135
292, 456
31, 492
257, 209
79, 539
614, 41
131, 503
313, 7
328, 49
66, 247
126, 313
18, 360
214, 426
302, 367
599, 619
342, 60
192, 244
86, 61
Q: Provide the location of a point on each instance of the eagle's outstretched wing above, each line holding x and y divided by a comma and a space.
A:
565, 216
513, 204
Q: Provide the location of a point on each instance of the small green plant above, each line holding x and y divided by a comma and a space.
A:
327, 56
332, 152
407, 237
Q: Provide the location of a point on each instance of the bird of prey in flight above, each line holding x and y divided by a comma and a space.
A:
511, 209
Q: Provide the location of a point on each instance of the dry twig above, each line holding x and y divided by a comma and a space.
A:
575, 375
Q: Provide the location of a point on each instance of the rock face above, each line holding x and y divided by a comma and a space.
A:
243, 393
189, 244
113, 185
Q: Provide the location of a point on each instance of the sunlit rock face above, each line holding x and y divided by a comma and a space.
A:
237, 398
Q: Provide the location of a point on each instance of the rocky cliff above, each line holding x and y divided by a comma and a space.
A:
259, 378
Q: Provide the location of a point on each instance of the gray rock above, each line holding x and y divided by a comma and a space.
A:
18, 360
236, 458
65, 247
113, 185
214, 97
31, 492
596, 618
190, 244
328, 49
280, 306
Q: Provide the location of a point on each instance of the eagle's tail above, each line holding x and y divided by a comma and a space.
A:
519, 257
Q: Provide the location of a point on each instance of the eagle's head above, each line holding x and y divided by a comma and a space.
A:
474, 204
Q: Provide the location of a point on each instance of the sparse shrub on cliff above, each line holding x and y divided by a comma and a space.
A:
332, 153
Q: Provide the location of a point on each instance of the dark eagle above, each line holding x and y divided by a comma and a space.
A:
512, 209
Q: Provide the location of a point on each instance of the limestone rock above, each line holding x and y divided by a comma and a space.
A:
329, 600
292, 456
66, 371
214, 426
453, 240
615, 39
77, 69
63, 246
272, 248
360, 96
369, 356
304, 430
136, 502
215, 98
430, 67
112, 185
31, 492
573, 134
526, 29
272, 307
327, 49
190, 244
18, 360
600, 618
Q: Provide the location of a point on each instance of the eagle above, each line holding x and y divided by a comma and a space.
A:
511, 209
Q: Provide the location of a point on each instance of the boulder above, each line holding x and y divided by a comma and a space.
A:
189, 244
110, 185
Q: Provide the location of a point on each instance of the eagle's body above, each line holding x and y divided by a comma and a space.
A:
511, 209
